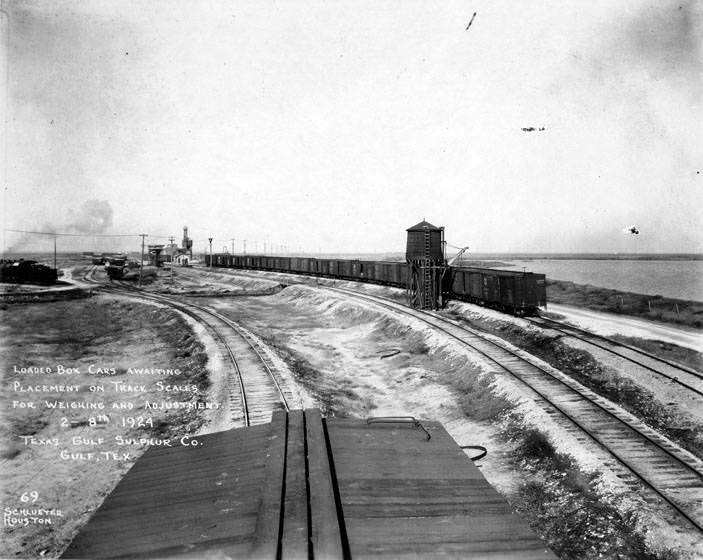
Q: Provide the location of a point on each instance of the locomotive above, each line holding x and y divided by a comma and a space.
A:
27, 272
519, 293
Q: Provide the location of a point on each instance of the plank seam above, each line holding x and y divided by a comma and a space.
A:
346, 551
311, 552
282, 513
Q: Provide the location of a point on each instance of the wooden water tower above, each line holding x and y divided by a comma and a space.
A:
426, 265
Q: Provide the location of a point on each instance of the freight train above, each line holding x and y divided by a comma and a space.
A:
519, 293
27, 272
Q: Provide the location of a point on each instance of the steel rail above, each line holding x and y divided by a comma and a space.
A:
133, 292
584, 335
394, 306
241, 331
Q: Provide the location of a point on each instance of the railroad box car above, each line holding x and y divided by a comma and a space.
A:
490, 290
356, 269
377, 271
403, 275
284, 264
397, 274
333, 268
387, 273
345, 269
536, 289
366, 270
458, 281
322, 267
474, 286
507, 287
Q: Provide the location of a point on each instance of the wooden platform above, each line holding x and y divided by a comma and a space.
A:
304, 487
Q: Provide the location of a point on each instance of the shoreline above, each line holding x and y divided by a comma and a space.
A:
656, 309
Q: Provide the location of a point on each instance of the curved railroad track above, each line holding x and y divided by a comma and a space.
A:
642, 455
675, 373
255, 386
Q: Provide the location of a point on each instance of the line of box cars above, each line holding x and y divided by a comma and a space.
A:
520, 293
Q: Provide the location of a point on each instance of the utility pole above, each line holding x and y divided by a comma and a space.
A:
210, 262
233, 246
55, 253
245, 246
141, 262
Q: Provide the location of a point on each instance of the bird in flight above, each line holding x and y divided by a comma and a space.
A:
472, 20
632, 230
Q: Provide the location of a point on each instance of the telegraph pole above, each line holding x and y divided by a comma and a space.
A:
233, 246
141, 262
55, 253
210, 262
245, 246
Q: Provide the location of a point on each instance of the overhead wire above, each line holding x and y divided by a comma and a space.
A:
60, 234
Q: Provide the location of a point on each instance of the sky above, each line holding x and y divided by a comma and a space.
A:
334, 126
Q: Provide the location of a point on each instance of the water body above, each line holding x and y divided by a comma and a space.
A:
682, 279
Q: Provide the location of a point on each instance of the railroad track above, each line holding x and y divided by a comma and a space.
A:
255, 385
675, 373
638, 454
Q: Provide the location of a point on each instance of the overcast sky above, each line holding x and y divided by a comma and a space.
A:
334, 126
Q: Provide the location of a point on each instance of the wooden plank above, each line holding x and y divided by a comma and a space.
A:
184, 498
326, 536
267, 532
295, 513
270, 491
404, 495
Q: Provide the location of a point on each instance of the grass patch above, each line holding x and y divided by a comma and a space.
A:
564, 505
478, 398
665, 350
329, 397
655, 308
